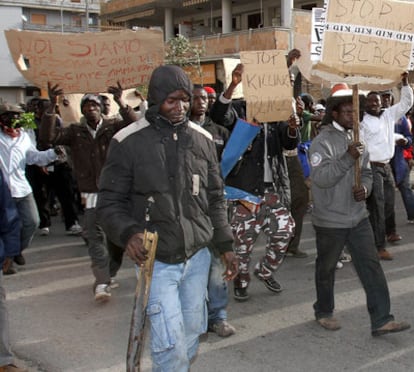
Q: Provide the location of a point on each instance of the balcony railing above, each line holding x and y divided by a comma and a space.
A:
69, 28
93, 5
115, 6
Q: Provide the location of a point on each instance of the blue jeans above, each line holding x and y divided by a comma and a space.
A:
30, 218
217, 292
177, 311
6, 356
360, 242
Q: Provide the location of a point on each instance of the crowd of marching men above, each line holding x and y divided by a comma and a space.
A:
185, 164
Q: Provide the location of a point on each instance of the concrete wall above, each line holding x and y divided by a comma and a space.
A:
12, 83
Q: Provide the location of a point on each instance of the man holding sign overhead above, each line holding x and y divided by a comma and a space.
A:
89, 142
263, 195
377, 130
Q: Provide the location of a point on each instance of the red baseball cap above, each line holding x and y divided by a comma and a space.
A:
209, 90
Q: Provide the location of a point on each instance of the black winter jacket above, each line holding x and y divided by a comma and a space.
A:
248, 173
178, 167
220, 135
88, 153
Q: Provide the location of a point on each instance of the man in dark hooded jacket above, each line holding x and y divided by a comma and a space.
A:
172, 160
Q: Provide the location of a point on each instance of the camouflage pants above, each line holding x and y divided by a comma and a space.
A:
277, 224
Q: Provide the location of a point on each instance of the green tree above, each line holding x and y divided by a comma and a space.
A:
179, 51
26, 120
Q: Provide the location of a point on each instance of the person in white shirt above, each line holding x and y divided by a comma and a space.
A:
377, 132
16, 150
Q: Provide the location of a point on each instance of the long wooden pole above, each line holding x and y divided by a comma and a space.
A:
355, 105
137, 329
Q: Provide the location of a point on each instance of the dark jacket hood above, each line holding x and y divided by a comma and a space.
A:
165, 80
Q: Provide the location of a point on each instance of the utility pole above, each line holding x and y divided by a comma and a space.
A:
61, 16
87, 15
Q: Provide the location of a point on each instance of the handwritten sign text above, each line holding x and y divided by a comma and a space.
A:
88, 62
266, 85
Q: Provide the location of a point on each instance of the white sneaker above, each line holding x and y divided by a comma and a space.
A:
345, 258
339, 265
44, 231
102, 292
75, 229
114, 283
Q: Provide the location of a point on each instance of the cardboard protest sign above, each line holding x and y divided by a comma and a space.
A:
304, 40
266, 85
87, 62
367, 42
69, 105
69, 108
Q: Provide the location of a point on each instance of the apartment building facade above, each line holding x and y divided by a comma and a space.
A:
39, 15
203, 17
222, 27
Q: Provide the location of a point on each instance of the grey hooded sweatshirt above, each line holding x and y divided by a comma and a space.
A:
332, 176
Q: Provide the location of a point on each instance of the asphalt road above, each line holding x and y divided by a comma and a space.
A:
57, 326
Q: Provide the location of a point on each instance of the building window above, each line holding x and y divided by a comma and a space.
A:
33, 92
93, 21
254, 20
219, 23
38, 19
76, 21
309, 6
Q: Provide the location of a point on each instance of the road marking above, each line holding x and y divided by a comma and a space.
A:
393, 355
61, 285
277, 320
44, 247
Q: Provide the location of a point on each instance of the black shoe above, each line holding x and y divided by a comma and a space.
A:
240, 294
10, 271
297, 254
8, 268
270, 283
19, 260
